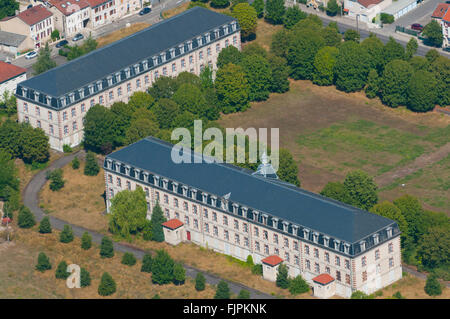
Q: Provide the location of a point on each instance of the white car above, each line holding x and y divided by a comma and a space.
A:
31, 55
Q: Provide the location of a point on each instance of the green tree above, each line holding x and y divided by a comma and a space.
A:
332, 8
43, 262
389, 210
200, 282
220, 3
359, 295
361, 189
243, 294
162, 268
279, 74
179, 274
419, 63
351, 68
432, 55
373, 84
298, 286
75, 163
223, 291
352, 35
7, 211
292, 16
302, 51
254, 49
282, 277
56, 180
190, 98
394, 83
433, 33
107, 285
156, 223
8, 175
413, 212
337, 191
85, 278
90, 44
140, 129
33, 144
44, 61
66, 236
324, 62
230, 54
274, 11
393, 51
163, 88
422, 93
8, 103
280, 42
141, 100
434, 247
106, 248
100, 129
25, 218
288, 169
232, 88
331, 36
440, 67
128, 259
259, 7
128, 212
8, 8
411, 48
433, 286
258, 73
86, 241
147, 263
247, 19
61, 271
91, 167
55, 35
44, 226
166, 110
375, 48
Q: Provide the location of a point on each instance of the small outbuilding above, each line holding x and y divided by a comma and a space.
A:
270, 267
173, 231
324, 286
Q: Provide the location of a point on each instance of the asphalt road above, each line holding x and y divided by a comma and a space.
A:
422, 15
31, 200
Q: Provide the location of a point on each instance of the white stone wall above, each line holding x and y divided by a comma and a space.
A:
11, 84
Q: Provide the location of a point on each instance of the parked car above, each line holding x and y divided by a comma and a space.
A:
61, 43
31, 55
446, 49
145, 11
417, 26
77, 37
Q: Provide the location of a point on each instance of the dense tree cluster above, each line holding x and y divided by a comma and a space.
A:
165, 270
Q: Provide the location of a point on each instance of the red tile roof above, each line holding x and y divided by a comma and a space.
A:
323, 279
95, 3
440, 10
8, 71
34, 14
272, 260
446, 17
173, 224
368, 3
67, 7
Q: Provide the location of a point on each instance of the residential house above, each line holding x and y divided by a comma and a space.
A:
442, 15
70, 16
13, 44
102, 12
365, 10
10, 76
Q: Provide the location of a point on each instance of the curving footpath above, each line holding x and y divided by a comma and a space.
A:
31, 200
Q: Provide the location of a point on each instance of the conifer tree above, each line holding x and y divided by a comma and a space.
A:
107, 285
200, 282
61, 271
106, 248
223, 291
86, 241
146, 263
25, 218
91, 167
43, 262
66, 236
282, 277
85, 278
128, 259
156, 222
45, 226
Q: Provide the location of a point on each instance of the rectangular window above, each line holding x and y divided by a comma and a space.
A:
146, 192
246, 242
217, 47
256, 232
25, 107
214, 216
277, 251
74, 126
200, 55
51, 129
74, 113
194, 209
275, 238
391, 247
236, 224
347, 279
128, 87
225, 220
191, 59
164, 71
327, 257
227, 43
236, 239
185, 206
174, 67
391, 262
157, 196
364, 276
118, 181
183, 63
111, 95
66, 129
39, 124
128, 185
119, 91
338, 275
64, 115
146, 79
308, 264
92, 102
235, 40
286, 243
225, 235
338, 261
38, 111
327, 270
195, 223
296, 260
205, 213
175, 201
100, 99
166, 199
257, 246
286, 257
83, 108
377, 254
316, 253
207, 227
245, 226
156, 75
208, 51
306, 249
317, 268
266, 249
110, 179
186, 220
363, 261
138, 83
216, 231
295, 245
347, 264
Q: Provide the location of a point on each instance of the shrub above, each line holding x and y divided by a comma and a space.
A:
67, 148
43, 263
359, 295
107, 285
432, 286
223, 291
86, 241
45, 226
61, 271
386, 18
25, 218
282, 277
146, 263
85, 278
128, 259
162, 268
179, 274
57, 181
250, 260
200, 282
257, 269
91, 168
106, 248
156, 296
244, 294
298, 286
66, 236
398, 295
76, 163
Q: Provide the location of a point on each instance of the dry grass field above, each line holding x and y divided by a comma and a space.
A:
330, 133
122, 33
19, 279
80, 201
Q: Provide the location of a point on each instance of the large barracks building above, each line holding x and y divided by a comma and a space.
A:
337, 248
58, 99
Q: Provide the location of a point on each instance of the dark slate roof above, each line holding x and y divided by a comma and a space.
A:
269, 196
127, 52
11, 39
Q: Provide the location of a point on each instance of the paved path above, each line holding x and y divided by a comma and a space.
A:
31, 200
420, 162
411, 270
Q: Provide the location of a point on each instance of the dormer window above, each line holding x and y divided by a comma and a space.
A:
275, 222
145, 64
376, 239
213, 201
184, 189
326, 240
136, 68
99, 85
163, 57
306, 233
362, 245
337, 244
175, 187
285, 226
315, 237
193, 193
389, 232
236, 208
117, 167
156, 180
205, 198
165, 183
127, 170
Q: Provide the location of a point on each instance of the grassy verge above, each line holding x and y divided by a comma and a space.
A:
122, 33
